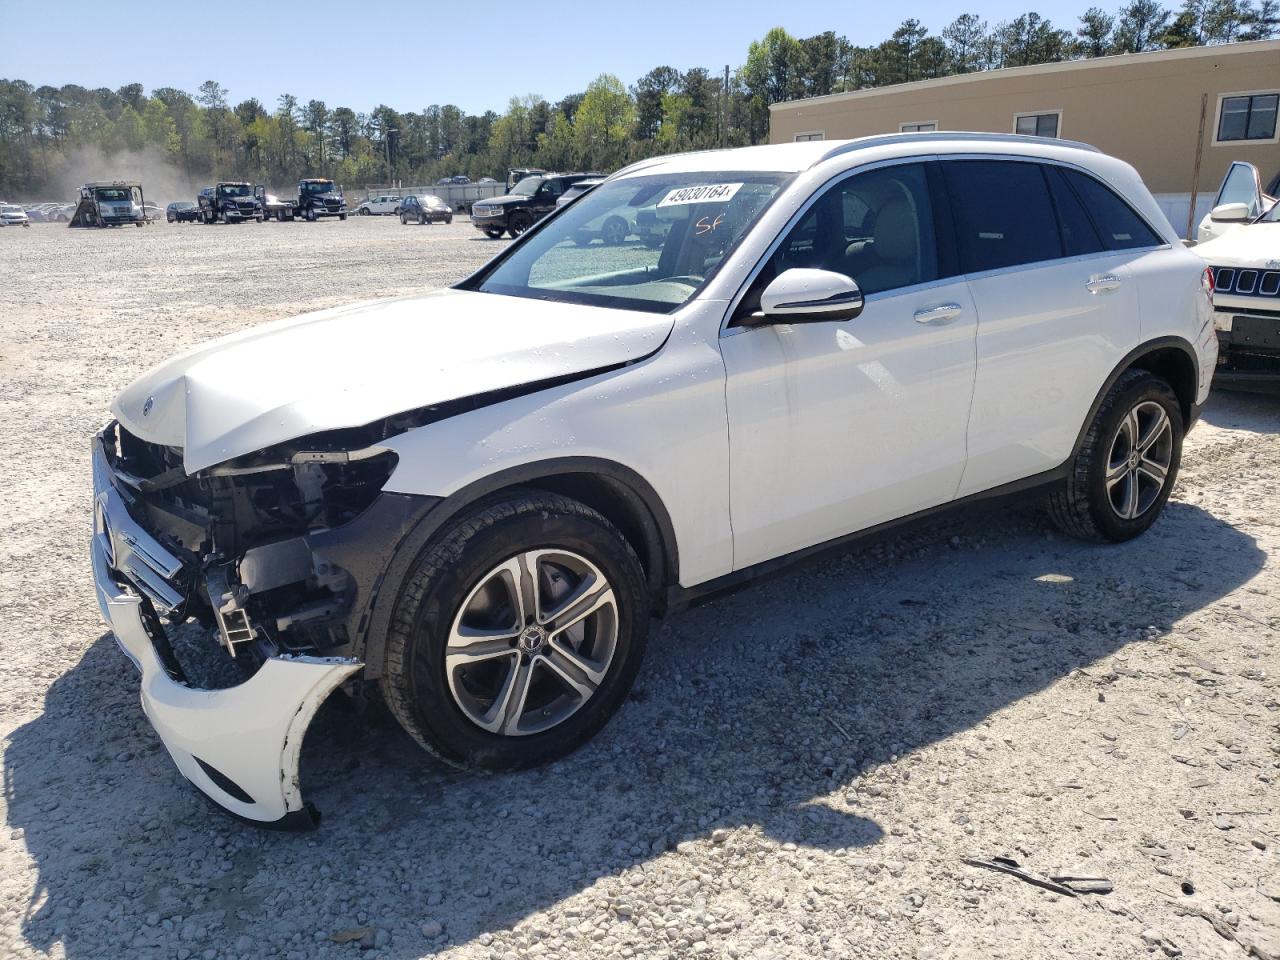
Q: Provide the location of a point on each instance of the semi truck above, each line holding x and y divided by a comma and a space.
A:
109, 203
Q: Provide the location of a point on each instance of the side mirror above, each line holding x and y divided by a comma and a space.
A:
810, 296
1230, 213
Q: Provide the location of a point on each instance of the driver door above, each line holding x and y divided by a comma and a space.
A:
837, 426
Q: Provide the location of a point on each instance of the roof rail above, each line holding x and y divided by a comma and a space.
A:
972, 136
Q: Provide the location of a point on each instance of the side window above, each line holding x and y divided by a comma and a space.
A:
876, 227
1118, 226
1078, 235
1003, 214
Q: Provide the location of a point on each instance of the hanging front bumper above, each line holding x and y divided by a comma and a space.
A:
240, 745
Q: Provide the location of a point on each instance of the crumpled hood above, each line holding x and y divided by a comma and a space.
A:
1248, 245
352, 365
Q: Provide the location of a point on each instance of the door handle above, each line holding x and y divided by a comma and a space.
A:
937, 316
1103, 283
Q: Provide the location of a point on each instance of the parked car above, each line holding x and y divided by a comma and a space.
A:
182, 211
427, 209
1246, 282
62, 213
40, 212
152, 211
1240, 199
477, 498
12, 215
531, 199
576, 190
387, 204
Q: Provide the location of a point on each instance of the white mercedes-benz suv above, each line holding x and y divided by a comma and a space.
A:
478, 498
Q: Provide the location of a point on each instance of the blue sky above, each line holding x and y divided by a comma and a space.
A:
476, 55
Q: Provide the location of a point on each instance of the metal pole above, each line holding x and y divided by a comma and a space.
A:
724, 110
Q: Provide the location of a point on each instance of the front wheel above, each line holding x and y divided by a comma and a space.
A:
404, 221
493, 234
342, 216
520, 222
1123, 473
517, 634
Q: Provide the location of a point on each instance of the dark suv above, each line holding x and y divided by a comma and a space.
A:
528, 202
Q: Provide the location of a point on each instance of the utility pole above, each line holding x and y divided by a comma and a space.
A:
386, 141
724, 110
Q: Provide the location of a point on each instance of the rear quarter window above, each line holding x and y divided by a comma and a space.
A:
1119, 226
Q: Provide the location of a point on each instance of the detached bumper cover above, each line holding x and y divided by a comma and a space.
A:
240, 746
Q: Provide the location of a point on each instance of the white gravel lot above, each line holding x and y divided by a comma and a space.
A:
799, 774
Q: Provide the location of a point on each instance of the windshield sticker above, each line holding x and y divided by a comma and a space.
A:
703, 193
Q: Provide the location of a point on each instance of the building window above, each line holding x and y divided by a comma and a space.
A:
926, 127
810, 135
1249, 116
1037, 124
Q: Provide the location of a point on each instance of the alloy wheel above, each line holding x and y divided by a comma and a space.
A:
532, 642
1139, 461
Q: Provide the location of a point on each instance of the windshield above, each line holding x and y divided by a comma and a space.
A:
325, 186
113, 194
643, 243
526, 187
1272, 215
234, 190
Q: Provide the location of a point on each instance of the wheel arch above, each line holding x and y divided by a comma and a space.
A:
617, 492
1172, 358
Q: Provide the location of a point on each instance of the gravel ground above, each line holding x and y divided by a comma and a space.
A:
800, 772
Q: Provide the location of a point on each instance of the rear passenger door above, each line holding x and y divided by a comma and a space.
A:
1046, 249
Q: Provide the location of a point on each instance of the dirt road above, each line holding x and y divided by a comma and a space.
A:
799, 774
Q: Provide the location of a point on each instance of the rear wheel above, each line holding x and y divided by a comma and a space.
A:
517, 634
404, 221
1123, 473
421, 219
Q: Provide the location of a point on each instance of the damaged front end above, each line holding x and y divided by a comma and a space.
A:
278, 555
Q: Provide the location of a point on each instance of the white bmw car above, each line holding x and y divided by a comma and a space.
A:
478, 498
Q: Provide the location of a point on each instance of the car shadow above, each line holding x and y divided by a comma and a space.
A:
760, 711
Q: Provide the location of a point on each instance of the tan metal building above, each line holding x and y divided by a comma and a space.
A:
1169, 113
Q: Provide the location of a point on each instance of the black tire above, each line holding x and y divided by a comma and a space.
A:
520, 222
448, 221
342, 216
415, 683
493, 234
311, 214
404, 221
421, 220
614, 231
1085, 506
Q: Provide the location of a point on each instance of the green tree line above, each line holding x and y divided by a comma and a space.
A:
46, 131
